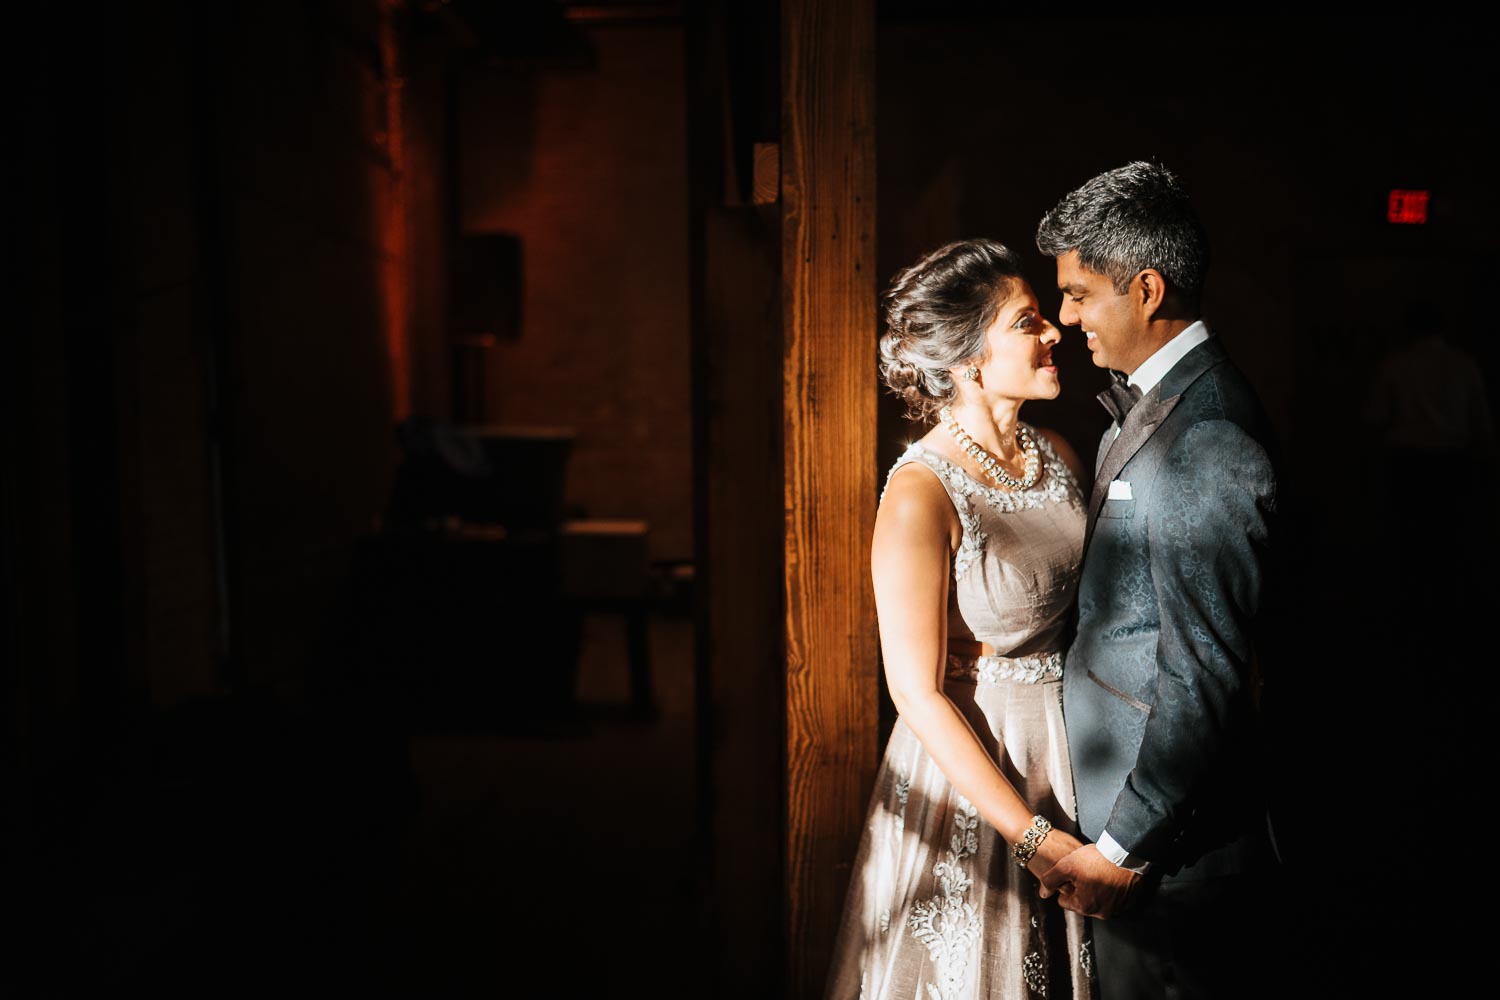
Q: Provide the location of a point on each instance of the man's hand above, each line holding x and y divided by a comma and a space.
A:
1089, 883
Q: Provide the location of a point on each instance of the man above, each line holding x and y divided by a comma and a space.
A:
1158, 689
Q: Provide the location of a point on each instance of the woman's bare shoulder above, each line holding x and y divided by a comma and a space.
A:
915, 504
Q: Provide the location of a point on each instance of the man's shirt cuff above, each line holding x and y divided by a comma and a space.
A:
1120, 857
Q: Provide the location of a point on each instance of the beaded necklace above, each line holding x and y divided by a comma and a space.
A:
988, 462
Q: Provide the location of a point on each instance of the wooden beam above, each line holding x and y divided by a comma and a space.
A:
828, 459
766, 186
735, 255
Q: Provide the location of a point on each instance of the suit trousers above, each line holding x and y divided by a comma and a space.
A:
1212, 939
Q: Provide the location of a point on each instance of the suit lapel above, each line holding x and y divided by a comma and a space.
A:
1105, 440
1143, 420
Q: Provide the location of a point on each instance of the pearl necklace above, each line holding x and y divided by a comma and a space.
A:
988, 462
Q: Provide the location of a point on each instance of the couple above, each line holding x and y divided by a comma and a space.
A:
976, 871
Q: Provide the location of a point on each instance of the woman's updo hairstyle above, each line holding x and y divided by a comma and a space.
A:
936, 315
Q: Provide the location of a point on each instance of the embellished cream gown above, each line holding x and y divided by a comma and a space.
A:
937, 909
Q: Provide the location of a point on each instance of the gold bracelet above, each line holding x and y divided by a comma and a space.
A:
1025, 848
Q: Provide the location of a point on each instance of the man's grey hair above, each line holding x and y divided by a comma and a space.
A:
1126, 220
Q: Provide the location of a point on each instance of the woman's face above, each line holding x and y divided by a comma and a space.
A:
1020, 342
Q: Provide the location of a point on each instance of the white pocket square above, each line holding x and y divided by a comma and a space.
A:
1119, 489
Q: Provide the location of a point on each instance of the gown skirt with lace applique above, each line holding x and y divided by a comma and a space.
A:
937, 909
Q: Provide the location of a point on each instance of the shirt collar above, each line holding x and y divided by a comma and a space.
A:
1155, 368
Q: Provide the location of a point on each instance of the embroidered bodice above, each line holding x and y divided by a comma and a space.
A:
1015, 572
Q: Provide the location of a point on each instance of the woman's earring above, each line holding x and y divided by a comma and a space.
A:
971, 373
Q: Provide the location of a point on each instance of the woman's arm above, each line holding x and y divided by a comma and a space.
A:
916, 531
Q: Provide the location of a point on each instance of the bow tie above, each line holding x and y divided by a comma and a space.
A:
1119, 397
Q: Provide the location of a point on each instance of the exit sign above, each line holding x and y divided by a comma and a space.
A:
1407, 207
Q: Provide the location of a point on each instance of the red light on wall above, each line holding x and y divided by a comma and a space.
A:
1407, 207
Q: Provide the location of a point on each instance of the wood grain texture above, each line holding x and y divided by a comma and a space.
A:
766, 188
828, 384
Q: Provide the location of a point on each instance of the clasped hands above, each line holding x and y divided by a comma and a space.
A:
1082, 879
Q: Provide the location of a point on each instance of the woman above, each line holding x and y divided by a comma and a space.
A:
975, 559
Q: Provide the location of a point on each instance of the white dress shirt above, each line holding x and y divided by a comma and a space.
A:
1147, 376
1155, 368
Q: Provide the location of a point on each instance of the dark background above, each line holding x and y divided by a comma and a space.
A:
281, 703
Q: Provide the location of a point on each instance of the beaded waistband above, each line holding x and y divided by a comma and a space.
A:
1025, 669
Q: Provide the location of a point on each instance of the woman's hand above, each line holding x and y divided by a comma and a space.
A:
1057, 845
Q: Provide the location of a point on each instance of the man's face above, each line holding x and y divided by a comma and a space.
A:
1113, 323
